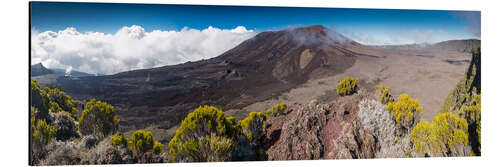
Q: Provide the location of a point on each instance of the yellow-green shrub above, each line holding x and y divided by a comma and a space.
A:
47, 99
211, 148
98, 118
347, 86
472, 113
157, 147
119, 140
421, 136
61, 99
54, 107
446, 135
405, 111
384, 94
141, 141
279, 109
43, 133
201, 123
39, 101
253, 126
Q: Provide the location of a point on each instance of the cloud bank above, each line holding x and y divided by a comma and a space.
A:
130, 47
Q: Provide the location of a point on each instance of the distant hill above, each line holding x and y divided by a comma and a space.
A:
49, 76
451, 45
39, 69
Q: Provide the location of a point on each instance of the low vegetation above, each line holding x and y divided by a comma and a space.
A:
279, 109
43, 133
253, 126
66, 126
472, 113
57, 139
98, 118
405, 111
447, 135
196, 132
157, 147
347, 86
384, 94
142, 142
118, 140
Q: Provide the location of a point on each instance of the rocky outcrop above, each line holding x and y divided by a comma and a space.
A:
355, 142
378, 121
344, 136
299, 136
321, 131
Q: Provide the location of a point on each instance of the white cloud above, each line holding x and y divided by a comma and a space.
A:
131, 47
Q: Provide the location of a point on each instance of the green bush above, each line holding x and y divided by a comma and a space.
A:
405, 111
203, 122
446, 135
43, 133
384, 94
472, 113
279, 109
450, 131
421, 136
118, 140
40, 101
64, 102
54, 107
98, 118
211, 148
141, 141
347, 86
53, 100
157, 147
253, 126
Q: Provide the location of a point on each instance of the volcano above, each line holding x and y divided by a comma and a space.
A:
259, 68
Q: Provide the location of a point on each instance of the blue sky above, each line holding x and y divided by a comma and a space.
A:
364, 24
